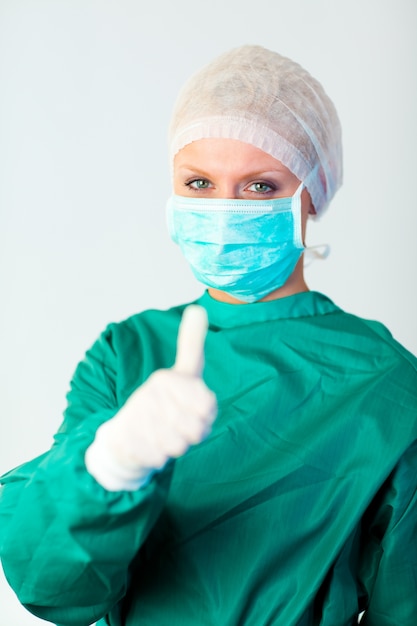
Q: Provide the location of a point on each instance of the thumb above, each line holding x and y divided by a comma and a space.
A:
190, 343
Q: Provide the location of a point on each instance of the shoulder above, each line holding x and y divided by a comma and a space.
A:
131, 349
382, 338
362, 356
142, 327
375, 351
362, 333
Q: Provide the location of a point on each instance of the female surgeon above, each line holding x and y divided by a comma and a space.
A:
263, 473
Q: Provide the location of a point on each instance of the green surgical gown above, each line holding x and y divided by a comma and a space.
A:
299, 509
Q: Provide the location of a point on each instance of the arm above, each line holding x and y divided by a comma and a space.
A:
389, 566
66, 542
68, 538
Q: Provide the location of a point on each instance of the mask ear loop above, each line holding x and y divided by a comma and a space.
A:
296, 215
321, 251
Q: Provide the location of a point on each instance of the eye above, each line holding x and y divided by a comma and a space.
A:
261, 187
198, 183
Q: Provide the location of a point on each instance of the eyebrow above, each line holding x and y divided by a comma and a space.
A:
196, 170
192, 169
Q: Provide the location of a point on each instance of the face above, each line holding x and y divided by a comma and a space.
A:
228, 168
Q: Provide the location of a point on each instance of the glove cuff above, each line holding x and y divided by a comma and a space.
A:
109, 473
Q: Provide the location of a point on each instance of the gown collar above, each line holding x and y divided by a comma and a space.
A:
305, 304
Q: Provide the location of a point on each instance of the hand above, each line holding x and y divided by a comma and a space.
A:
170, 412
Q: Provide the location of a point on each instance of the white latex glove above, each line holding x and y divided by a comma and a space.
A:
171, 411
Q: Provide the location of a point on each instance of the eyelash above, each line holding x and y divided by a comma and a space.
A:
196, 180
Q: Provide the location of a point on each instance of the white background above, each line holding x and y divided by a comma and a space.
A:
86, 91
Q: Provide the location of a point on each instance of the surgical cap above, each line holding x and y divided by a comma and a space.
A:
264, 99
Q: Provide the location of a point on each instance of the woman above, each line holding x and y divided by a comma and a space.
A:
276, 485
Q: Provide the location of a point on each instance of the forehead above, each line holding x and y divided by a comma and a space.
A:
225, 154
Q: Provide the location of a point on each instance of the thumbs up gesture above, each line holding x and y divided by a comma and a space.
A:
170, 412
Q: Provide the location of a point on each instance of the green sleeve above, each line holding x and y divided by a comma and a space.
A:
389, 564
65, 542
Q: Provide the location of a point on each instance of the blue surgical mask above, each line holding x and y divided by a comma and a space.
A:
247, 248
